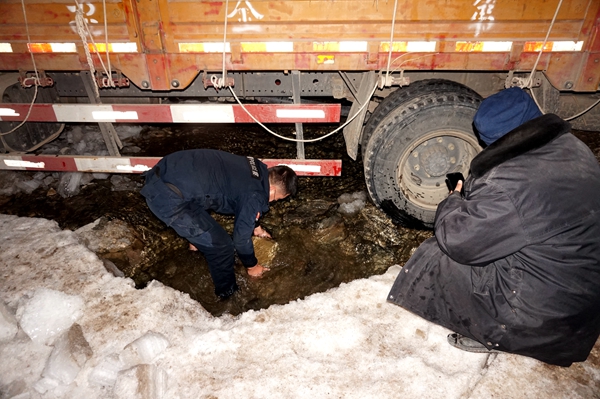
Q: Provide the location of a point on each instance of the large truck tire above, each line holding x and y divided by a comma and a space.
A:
412, 149
405, 94
31, 135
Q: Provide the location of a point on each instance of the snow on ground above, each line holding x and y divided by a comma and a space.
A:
70, 329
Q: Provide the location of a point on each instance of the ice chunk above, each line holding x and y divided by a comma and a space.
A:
48, 313
144, 349
75, 134
69, 184
80, 147
28, 186
8, 182
8, 323
122, 183
48, 180
105, 235
45, 384
105, 373
111, 267
265, 250
128, 131
100, 176
86, 179
352, 203
70, 353
144, 381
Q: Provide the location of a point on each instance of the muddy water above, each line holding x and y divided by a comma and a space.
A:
317, 247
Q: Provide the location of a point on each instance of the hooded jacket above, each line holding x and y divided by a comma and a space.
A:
515, 263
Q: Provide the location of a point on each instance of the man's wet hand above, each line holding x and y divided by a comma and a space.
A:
257, 271
260, 232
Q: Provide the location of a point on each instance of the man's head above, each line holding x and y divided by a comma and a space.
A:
502, 112
282, 181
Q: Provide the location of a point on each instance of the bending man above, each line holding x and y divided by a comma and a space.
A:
185, 186
515, 263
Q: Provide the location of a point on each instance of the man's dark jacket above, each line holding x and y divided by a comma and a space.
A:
224, 183
515, 264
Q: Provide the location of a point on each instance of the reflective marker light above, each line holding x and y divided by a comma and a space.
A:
346, 47
8, 112
6, 48
214, 116
303, 168
413, 47
24, 164
349, 47
114, 115
398, 47
52, 47
137, 168
267, 47
474, 47
553, 46
300, 113
420, 47
204, 47
325, 59
128, 47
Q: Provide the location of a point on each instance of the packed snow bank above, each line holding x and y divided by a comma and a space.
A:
70, 329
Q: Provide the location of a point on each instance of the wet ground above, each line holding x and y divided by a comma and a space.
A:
315, 246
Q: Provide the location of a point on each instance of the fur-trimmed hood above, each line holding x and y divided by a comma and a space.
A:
529, 136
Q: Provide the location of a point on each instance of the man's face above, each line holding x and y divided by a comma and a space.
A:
276, 193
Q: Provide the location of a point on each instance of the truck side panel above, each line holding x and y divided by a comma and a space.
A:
173, 40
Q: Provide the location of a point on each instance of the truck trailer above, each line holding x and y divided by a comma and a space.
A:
412, 73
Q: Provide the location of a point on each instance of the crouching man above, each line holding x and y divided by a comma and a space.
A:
183, 187
515, 262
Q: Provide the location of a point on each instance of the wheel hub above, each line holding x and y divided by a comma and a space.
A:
435, 160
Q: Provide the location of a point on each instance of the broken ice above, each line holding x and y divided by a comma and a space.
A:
48, 313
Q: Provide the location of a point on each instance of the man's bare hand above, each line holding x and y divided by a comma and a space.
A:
257, 271
260, 232
458, 187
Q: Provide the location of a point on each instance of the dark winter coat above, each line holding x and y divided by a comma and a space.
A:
515, 264
224, 183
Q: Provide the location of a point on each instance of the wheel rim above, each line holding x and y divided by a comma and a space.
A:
422, 168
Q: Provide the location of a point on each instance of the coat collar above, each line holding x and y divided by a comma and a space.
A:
531, 135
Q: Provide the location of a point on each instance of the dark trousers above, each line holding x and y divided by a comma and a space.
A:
192, 222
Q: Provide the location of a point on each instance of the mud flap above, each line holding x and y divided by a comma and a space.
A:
353, 131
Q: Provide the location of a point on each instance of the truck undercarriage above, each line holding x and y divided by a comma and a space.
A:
402, 85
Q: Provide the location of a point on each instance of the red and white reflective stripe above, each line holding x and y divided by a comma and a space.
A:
174, 113
309, 167
54, 163
93, 164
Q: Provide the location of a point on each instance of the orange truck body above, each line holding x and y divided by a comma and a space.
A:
170, 42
